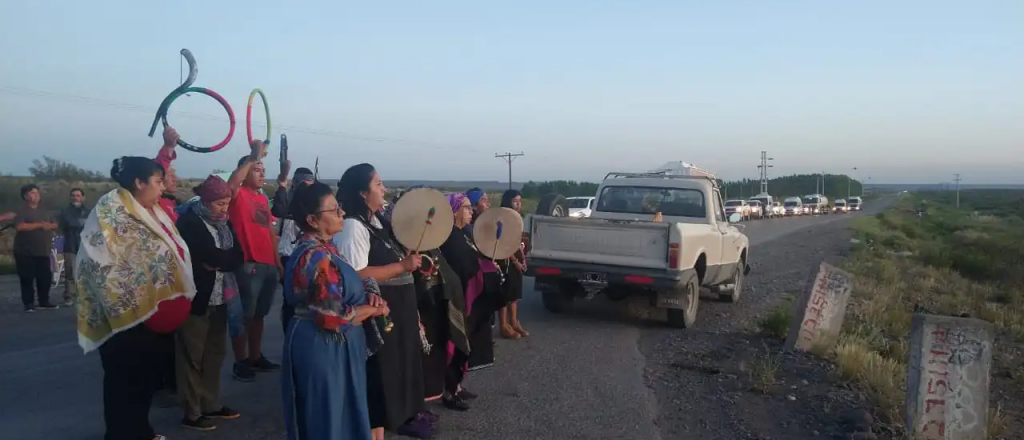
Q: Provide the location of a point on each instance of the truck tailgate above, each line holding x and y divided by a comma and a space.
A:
629, 244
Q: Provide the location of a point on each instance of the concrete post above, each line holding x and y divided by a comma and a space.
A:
948, 377
820, 310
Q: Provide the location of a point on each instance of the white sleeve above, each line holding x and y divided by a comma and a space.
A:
353, 242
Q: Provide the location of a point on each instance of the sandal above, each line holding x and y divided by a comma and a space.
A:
519, 329
508, 333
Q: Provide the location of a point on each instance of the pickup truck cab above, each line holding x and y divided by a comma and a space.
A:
622, 251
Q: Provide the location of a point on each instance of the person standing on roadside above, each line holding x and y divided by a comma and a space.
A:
167, 154
32, 245
288, 230
71, 221
258, 277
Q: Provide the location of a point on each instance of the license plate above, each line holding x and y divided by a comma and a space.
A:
595, 277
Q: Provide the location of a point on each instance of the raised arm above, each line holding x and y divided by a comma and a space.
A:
167, 154
7, 216
238, 176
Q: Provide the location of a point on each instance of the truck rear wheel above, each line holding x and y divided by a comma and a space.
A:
553, 205
687, 317
557, 302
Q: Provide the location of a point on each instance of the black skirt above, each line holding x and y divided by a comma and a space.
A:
434, 316
394, 375
481, 337
512, 289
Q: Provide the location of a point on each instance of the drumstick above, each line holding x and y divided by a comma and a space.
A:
497, 237
430, 221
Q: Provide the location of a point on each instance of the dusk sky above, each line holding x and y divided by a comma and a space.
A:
908, 91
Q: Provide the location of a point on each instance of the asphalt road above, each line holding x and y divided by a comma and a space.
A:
577, 376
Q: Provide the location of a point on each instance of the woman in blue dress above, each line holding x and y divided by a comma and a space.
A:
327, 341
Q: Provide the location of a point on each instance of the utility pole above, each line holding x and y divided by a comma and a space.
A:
764, 171
509, 158
849, 180
822, 183
957, 180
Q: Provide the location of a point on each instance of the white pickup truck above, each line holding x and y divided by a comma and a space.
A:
620, 250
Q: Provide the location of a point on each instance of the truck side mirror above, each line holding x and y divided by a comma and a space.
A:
735, 218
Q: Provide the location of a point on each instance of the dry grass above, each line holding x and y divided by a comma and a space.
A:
764, 372
947, 274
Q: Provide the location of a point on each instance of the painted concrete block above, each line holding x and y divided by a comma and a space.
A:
820, 310
948, 377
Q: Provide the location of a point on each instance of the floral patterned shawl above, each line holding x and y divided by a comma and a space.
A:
128, 263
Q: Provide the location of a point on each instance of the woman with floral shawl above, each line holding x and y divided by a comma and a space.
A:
329, 338
135, 283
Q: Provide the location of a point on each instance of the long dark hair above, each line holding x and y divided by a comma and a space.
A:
129, 169
508, 196
354, 182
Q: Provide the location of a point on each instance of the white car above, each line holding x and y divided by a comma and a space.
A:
580, 207
737, 207
840, 207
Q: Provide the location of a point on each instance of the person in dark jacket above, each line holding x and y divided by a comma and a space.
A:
200, 343
288, 231
71, 222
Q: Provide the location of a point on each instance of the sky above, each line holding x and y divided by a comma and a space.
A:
907, 92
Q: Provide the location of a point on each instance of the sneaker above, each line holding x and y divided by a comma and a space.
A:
416, 429
465, 394
224, 413
200, 424
49, 306
263, 365
242, 371
455, 402
30, 309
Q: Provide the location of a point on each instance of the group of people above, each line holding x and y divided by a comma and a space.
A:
372, 331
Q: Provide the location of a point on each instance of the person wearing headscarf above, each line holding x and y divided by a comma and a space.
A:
135, 286
395, 374
288, 231
442, 304
513, 268
469, 265
328, 340
480, 202
201, 340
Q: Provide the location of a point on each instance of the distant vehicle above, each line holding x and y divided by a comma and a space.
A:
854, 203
777, 209
580, 207
737, 207
840, 207
756, 209
766, 201
793, 206
815, 204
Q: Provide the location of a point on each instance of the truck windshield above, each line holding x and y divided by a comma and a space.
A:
578, 203
790, 204
840, 203
810, 200
678, 202
763, 201
733, 202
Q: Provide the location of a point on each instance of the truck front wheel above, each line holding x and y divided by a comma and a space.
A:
686, 318
736, 280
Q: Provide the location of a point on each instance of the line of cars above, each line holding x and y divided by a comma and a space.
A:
765, 206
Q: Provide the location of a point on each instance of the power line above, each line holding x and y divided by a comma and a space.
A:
509, 158
136, 108
764, 171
